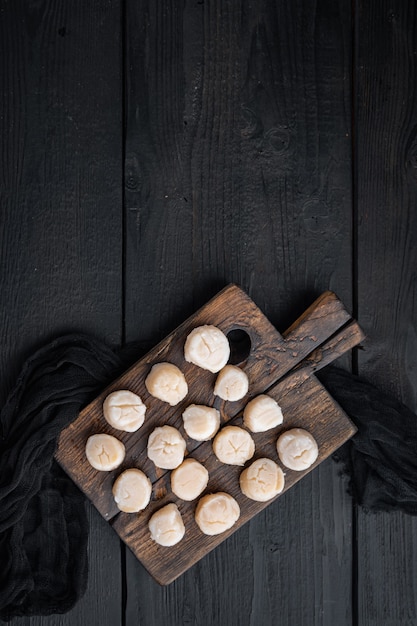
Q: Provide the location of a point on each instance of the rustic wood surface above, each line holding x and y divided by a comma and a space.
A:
271, 358
386, 216
61, 241
153, 152
305, 404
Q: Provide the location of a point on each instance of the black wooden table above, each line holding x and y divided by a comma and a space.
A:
154, 151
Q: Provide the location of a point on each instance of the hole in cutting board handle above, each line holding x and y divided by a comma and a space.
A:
240, 346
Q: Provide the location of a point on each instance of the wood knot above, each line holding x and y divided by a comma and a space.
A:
411, 151
316, 215
412, 156
253, 127
133, 181
278, 138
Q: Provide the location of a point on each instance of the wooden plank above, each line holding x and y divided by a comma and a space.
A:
305, 404
386, 122
231, 308
245, 126
270, 357
61, 225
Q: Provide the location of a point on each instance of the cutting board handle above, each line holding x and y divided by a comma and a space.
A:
326, 312
343, 332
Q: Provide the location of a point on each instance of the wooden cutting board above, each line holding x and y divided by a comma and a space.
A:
283, 366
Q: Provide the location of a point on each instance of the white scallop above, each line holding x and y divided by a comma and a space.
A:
216, 513
132, 491
201, 422
124, 410
189, 480
233, 445
166, 447
231, 384
262, 480
166, 382
166, 526
104, 452
262, 413
208, 347
297, 449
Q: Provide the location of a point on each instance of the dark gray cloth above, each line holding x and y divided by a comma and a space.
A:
381, 459
43, 526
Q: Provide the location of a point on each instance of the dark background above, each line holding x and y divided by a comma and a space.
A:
154, 151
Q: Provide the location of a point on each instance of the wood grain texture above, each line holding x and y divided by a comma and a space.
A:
270, 358
230, 309
305, 404
386, 123
238, 168
61, 220
239, 137
303, 400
